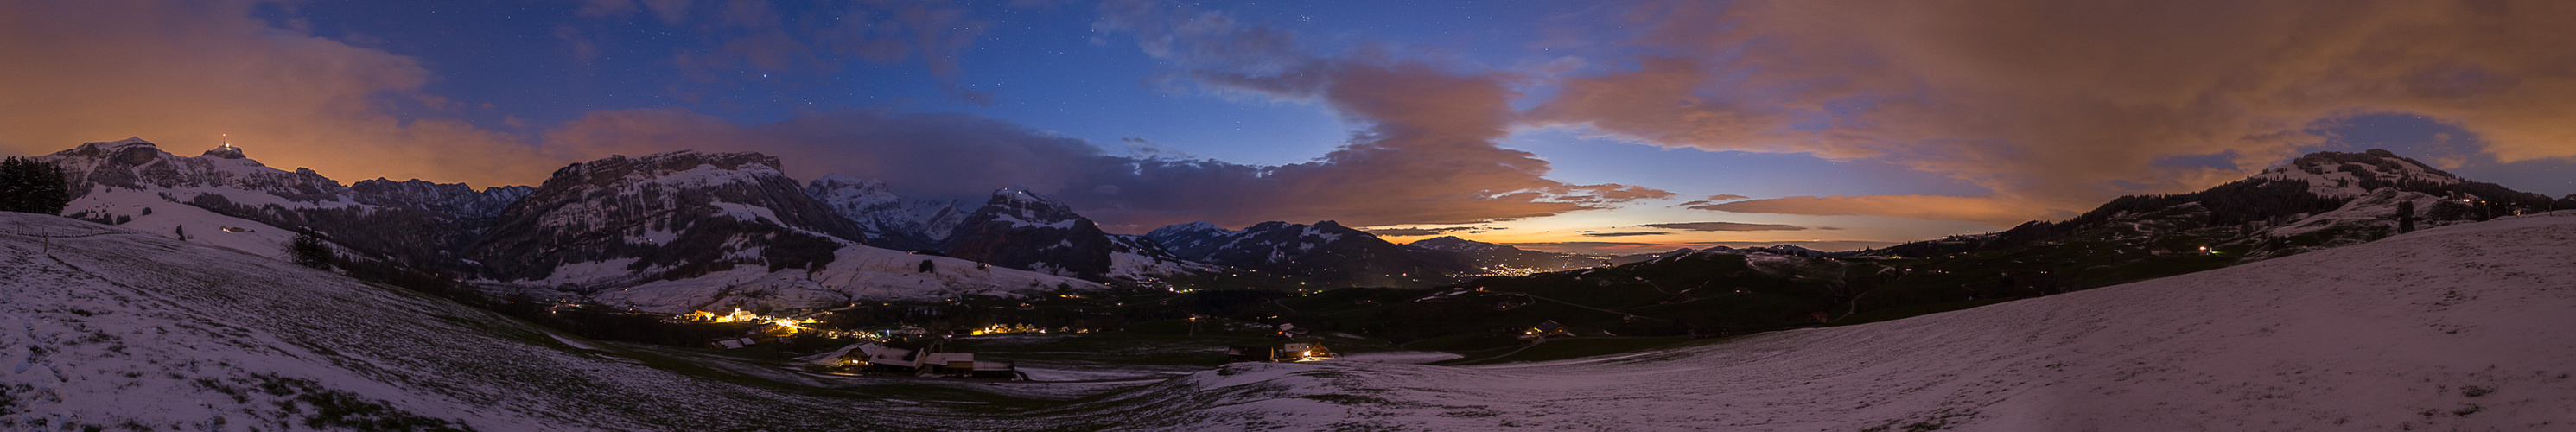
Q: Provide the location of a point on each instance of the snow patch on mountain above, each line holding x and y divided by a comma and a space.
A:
135, 163
857, 273
2378, 209
2348, 175
888, 219
745, 212
150, 211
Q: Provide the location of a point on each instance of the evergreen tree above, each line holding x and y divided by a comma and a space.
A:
311, 252
2405, 217
28, 186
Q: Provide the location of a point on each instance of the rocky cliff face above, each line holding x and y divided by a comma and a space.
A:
670, 231
1192, 240
451, 199
885, 219
133, 163
1020, 229
416, 221
673, 215
1015, 228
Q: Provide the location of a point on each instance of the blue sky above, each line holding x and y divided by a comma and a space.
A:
1532, 122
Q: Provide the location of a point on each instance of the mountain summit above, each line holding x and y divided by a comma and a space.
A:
225, 198
885, 219
1020, 229
2358, 192
660, 216
2349, 175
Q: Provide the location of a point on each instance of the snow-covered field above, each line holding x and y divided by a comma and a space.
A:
127, 330
2465, 327
2468, 327
150, 212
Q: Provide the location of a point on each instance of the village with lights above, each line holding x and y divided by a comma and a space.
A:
938, 340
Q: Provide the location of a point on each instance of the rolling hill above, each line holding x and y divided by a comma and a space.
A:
2455, 328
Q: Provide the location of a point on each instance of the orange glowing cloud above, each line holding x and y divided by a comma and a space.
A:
182, 73
2056, 105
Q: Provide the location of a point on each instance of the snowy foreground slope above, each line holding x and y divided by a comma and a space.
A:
2467, 327
126, 330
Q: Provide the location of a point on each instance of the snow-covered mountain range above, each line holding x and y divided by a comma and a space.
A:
621, 222
666, 232
1015, 228
663, 216
693, 229
222, 197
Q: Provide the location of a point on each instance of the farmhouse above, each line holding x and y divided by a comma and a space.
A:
1543, 330
1293, 352
927, 361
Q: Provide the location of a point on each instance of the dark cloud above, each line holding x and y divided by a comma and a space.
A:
1622, 234
944, 155
1606, 248
1414, 232
2060, 105
1725, 226
1628, 248
822, 40
1426, 154
1988, 210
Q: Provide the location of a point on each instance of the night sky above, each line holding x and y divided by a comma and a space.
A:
1558, 125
